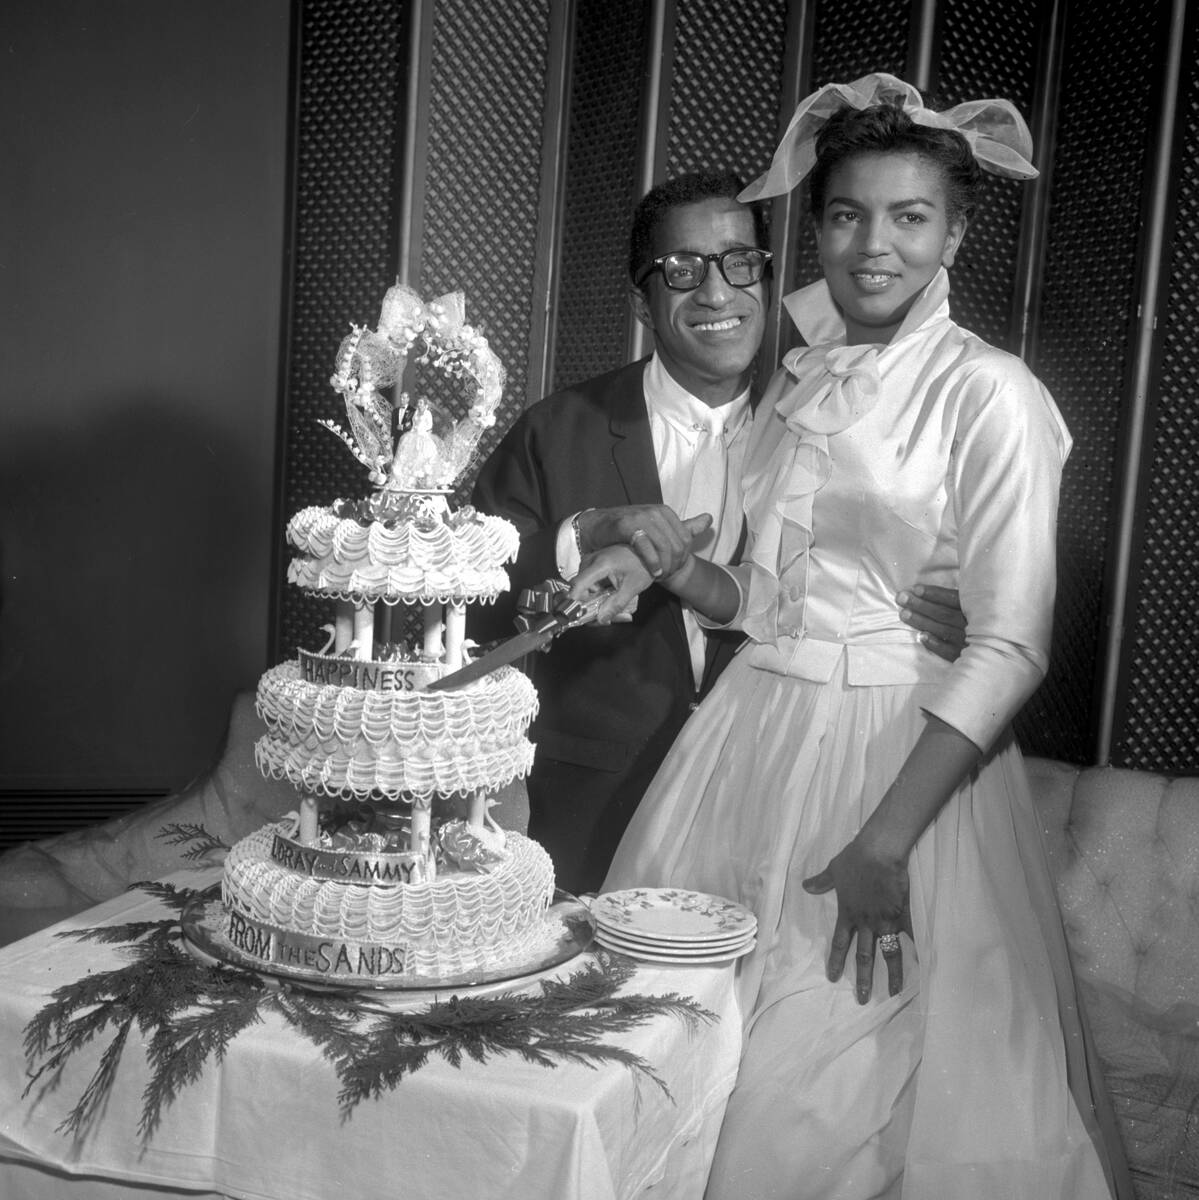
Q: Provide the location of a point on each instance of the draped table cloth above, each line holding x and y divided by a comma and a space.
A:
264, 1122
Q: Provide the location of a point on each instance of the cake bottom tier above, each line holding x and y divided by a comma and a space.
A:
378, 932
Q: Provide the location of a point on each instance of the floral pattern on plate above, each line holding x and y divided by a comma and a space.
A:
671, 914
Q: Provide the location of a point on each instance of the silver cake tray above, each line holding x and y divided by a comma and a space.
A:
205, 940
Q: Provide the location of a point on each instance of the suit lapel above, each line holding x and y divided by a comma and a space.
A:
632, 442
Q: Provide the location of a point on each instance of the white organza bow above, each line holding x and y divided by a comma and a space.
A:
996, 131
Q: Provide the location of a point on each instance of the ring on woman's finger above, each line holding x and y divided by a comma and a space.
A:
888, 943
637, 533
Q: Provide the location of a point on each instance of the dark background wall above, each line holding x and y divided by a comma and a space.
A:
1085, 272
143, 146
157, 191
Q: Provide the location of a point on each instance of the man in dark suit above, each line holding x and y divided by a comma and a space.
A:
612, 460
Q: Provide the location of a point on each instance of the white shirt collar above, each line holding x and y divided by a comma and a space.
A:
667, 398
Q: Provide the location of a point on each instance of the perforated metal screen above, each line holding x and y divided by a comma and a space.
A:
481, 197
728, 74
601, 174
483, 174
1159, 726
1087, 308
989, 51
351, 85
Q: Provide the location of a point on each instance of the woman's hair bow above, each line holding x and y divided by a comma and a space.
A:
995, 130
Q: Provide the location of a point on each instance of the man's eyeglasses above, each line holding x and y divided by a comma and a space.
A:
684, 270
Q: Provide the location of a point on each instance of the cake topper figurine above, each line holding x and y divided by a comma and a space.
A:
369, 360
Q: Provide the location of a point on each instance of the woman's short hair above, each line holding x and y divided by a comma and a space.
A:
690, 188
886, 128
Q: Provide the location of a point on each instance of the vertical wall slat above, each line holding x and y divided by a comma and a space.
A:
554, 142
415, 124
655, 113
789, 227
601, 187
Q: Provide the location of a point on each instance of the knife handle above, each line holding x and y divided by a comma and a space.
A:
579, 612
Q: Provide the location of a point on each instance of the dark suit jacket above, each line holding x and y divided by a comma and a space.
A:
612, 698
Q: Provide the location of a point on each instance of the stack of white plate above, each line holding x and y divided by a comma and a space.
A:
669, 925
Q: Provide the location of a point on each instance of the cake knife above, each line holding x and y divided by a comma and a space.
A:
564, 614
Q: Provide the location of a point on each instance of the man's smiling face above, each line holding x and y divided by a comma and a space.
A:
707, 338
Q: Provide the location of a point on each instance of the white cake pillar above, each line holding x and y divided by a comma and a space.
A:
432, 647
455, 631
364, 631
476, 815
420, 836
309, 822
343, 626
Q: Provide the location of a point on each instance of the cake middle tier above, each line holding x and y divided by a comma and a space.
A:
344, 741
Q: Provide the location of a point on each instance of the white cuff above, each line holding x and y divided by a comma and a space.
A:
566, 550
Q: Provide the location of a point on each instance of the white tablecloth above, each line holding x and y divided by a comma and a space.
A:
265, 1124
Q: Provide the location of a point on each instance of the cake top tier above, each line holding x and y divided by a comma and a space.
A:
436, 447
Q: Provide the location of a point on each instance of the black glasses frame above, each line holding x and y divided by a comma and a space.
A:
659, 264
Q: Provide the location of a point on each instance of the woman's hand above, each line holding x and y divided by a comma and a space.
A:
617, 567
872, 902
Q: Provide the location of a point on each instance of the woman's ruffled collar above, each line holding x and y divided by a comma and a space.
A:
837, 385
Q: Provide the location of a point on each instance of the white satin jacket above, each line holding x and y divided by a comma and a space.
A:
933, 459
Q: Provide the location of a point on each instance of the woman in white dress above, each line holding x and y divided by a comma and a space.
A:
854, 790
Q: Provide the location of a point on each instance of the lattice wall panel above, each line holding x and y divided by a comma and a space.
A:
1160, 721
484, 173
601, 167
350, 95
1083, 339
989, 51
728, 72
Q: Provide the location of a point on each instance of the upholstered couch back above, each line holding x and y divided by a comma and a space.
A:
1124, 846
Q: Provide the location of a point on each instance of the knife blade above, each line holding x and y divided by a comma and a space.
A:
536, 637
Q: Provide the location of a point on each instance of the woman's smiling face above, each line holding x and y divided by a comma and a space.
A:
884, 233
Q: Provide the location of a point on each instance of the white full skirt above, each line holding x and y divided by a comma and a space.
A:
957, 1087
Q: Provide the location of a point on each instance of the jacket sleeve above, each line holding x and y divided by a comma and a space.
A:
1005, 477
512, 484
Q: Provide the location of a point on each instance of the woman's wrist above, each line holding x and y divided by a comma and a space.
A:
884, 844
679, 578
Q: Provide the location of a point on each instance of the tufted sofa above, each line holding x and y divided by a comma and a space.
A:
1124, 846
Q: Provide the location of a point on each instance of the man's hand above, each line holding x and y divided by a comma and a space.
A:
613, 567
653, 532
937, 613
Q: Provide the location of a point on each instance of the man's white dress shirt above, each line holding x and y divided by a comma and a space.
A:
699, 451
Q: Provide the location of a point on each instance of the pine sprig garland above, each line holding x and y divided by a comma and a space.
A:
203, 842
188, 1013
